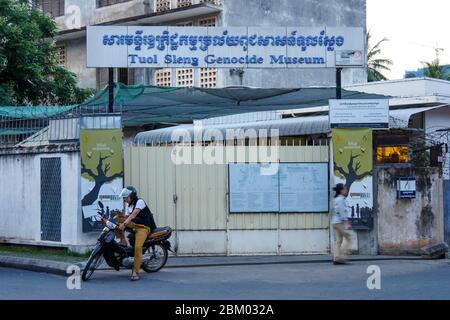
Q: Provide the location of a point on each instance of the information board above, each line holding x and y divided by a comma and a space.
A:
364, 113
296, 187
250, 191
304, 187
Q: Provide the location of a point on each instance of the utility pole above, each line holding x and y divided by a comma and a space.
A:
338, 83
111, 90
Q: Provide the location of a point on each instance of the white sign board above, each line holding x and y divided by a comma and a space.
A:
406, 188
250, 191
349, 58
304, 187
296, 187
365, 113
223, 47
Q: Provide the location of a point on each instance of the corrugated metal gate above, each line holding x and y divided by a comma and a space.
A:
51, 199
193, 200
447, 211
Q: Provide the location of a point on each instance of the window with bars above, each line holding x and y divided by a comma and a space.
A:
185, 24
208, 77
125, 76
163, 77
53, 7
61, 56
105, 3
185, 77
162, 5
216, 2
208, 22
184, 3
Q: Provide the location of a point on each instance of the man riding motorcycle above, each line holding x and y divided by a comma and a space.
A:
139, 218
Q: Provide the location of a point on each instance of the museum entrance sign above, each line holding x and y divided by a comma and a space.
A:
224, 47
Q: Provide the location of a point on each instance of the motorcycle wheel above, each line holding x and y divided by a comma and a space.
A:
93, 263
158, 259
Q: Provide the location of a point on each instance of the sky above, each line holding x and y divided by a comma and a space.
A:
414, 29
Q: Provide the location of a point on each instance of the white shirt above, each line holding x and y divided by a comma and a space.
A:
140, 204
341, 210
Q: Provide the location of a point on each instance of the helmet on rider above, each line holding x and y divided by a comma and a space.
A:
128, 194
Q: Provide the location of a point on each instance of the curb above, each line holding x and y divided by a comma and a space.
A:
224, 264
37, 265
60, 268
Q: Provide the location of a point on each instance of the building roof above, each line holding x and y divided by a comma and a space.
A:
305, 125
150, 18
424, 88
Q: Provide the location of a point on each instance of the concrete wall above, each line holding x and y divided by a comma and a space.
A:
311, 13
76, 62
404, 226
21, 200
89, 14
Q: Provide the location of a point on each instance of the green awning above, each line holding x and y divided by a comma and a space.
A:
183, 105
34, 112
142, 105
8, 132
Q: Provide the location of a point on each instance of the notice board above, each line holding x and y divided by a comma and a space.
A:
304, 187
249, 191
295, 188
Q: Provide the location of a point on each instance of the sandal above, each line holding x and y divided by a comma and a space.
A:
134, 278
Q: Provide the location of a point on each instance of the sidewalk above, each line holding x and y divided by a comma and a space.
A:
59, 268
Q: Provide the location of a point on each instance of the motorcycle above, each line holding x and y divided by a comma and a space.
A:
154, 251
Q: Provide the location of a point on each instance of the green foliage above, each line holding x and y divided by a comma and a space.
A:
376, 65
420, 157
29, 73
434, 69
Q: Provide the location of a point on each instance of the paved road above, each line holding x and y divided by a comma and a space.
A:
399, 280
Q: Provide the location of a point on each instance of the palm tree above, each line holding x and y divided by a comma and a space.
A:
434, 69
375, 65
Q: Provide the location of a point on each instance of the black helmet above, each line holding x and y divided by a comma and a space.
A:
129, 191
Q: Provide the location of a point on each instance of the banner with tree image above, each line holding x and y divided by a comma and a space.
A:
352, 156
101, 174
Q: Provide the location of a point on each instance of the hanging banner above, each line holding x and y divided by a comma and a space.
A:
224, 47
352, 156
101, 174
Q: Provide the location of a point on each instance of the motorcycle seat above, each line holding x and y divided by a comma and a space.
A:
159, 232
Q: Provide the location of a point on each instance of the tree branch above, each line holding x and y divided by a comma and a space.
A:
361, 176
357, 166
107, 167
339, 169
114, 176
100, 164
86, 170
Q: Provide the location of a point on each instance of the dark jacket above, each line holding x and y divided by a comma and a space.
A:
145, 216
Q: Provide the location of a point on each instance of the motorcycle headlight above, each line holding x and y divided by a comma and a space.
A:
110, 225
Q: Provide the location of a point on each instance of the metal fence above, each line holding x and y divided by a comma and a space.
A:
22, 127
51, 199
